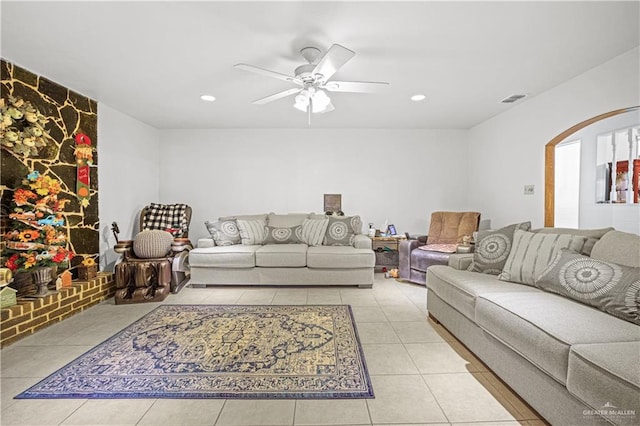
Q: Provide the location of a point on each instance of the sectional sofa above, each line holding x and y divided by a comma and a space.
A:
559, 324
283, 249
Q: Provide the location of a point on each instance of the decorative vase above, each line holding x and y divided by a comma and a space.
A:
54, 277
42, 278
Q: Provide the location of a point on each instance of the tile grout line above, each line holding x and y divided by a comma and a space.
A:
435, 399
215, 422
145, 413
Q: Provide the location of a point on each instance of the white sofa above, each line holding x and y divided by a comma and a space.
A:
282, 263
573, 363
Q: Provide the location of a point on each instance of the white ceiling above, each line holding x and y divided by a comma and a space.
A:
153, 60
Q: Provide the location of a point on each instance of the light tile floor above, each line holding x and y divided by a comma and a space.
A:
420, 373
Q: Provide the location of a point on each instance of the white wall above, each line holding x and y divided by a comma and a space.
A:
395, 175
507, 151
128, 175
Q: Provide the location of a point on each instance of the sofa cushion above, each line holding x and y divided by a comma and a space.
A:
313, 231
612, 288
245, 217
606, 376
224, 232
282, 255
291, 235
618, 247
593, 235
340, 257
542, 327
461, 288
341, 230
286, 220
531, 253
317, 216
451, 227
235, 256
361, 241
252, 231
493, 247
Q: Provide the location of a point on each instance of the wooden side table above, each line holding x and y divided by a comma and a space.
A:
386, 250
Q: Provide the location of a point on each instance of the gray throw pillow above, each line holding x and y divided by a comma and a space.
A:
531, 253
224, 232
612, 288
493, 247
593, 235
291, 235
342, 230
252, 232
313, 231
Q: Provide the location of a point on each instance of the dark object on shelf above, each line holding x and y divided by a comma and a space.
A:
23, 283
86, 273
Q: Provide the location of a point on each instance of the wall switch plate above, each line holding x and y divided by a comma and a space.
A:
528, 190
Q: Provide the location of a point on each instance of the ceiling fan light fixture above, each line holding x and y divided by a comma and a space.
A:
314, 79
300, 106
320, 101
419, 97
302, 100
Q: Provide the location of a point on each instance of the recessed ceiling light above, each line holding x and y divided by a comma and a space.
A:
418, 98
208, 98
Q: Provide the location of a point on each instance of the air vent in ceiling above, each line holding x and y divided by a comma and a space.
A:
513, 98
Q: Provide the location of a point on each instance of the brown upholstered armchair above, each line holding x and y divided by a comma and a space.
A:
156, 261
446, 231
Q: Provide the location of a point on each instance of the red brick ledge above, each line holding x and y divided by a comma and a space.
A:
30, 315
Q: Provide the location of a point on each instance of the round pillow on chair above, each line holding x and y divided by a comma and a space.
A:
152, 244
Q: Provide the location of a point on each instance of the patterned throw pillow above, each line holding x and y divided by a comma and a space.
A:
252, 232
291, 235
342, 230
493, 247
224, 232
612, 288
531, 253
313, 231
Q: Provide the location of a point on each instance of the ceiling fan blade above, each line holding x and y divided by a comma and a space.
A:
268, 73
277, 96
356, 86
335, 57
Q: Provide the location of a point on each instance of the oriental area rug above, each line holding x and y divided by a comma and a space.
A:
221, 351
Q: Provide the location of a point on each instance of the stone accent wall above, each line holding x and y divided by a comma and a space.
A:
30, 315
69, 113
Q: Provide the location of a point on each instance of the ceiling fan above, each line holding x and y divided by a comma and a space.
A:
313, 80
